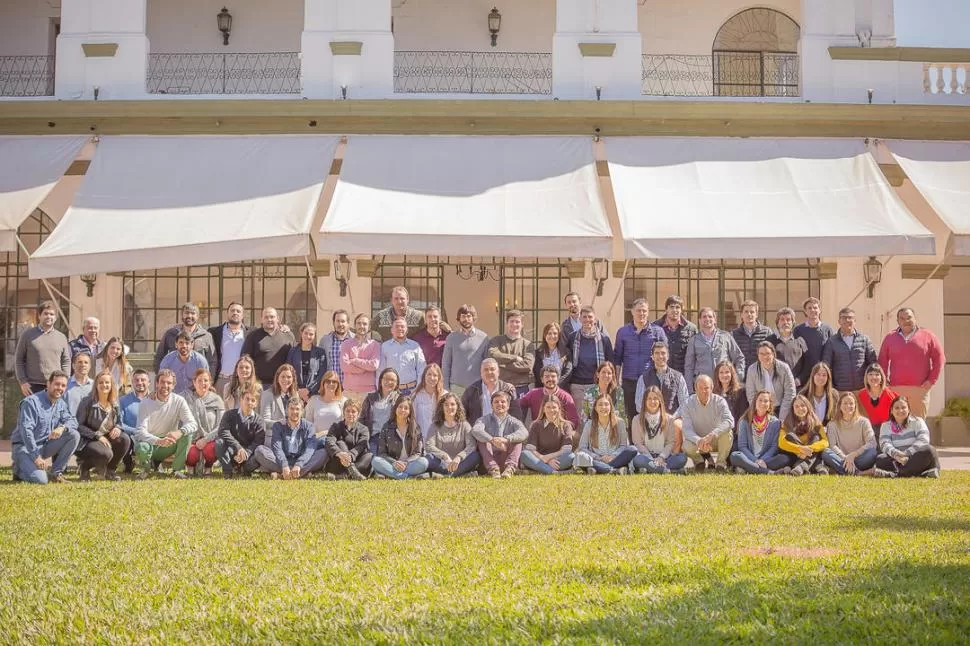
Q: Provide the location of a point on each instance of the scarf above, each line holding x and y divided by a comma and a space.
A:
597, 338
895, 427
759, 425
651, 423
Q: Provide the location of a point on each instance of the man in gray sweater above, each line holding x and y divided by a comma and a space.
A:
708, 425
464, 351
500, 437
40, 351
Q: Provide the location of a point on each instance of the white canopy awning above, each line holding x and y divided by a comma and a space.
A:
29, 169
757, 198
467, 195
940, 171
152, 202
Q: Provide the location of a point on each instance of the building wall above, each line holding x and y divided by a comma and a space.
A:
956, 317
176, 26
25, 27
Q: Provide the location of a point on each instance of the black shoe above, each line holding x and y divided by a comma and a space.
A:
85, 475
111, 476
700, 467
354, 473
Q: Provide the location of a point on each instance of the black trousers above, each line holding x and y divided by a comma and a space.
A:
95, 455
921, 460
629, 399
362, 463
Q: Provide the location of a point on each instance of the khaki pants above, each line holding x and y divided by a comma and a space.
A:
918, 398
722, 445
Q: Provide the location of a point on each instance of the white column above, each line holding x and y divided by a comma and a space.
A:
102, 45
577, 70
348, 44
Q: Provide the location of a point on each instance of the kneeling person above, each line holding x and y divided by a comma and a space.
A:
347, 445
45, 429
165, 428
241, 432
293, 450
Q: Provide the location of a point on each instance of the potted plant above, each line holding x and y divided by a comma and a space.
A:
952, 427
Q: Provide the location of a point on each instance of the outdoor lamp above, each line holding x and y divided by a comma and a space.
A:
341, 271
494, 24
224, 20
872, 273
89, 280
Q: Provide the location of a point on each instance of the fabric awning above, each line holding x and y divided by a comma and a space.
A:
467, 195
153, 202
940, 171
757, 198
29, 169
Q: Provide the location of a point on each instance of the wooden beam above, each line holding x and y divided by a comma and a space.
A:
904, 54
922, 271
476, 117
78, 167
894, 174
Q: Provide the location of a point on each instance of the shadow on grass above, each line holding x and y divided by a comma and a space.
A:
912, 523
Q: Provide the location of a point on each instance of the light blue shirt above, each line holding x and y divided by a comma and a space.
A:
405, 357
184, 372
37, 418
76, 392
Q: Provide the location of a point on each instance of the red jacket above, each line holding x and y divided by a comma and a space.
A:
882, 411
910, 363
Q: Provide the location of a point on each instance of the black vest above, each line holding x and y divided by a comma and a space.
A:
667, 383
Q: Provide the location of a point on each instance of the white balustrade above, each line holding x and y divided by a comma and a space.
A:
945, 78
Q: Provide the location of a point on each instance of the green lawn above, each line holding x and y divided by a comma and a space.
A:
635, 559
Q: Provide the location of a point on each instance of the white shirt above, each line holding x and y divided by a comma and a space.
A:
487, 398
232, 343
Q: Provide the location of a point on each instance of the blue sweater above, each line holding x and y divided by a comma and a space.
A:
37, 418
633, 350
584, 363
769, 448
293, 447
130, 404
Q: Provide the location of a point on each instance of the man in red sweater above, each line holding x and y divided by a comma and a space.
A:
913, 359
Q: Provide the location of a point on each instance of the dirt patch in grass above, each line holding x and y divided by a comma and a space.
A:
801, 552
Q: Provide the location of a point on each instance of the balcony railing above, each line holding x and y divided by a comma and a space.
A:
472, 72
215, 73
946, 79
721, 74
26, 76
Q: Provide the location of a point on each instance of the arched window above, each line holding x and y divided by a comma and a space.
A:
756, 54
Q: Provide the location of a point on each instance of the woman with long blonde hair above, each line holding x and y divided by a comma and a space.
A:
426, 397
103, 444
852, 441
113, 359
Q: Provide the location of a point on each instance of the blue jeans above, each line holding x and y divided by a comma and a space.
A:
863, 462
386, 468
468, 464
623, 457
530, 460
60, 449
775, 462
675, 462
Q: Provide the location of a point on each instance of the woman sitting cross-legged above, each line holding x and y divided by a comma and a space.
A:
549, 447
400, 447
376, 408
604, 446
103, 444
904, 443
803, 437
655, 436
451, 447
347, 445
758, 450
207, 408
293, 450
852, 442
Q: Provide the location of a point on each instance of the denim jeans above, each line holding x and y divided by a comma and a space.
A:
60, 449
530, 460
863, 462
623, 457
775, 462
675, 462
468, 464
385, 467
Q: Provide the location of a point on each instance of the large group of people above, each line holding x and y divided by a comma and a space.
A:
402, 395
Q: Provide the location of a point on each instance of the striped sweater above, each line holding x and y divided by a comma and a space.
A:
915, 435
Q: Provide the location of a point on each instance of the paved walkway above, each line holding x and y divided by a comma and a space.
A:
951, 459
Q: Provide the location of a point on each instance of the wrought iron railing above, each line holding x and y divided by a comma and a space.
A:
721, 74
215, 73
472, 72
26, 76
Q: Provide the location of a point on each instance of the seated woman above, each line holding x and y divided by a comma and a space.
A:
606, 382
553, 351
347, 443
400, 447
242, 380
604, 446
904, 443
103, 444
852, 442
876, 399
377, 406
275, 400
820, 393
451, 447
549, 447
326, 407
113, 360
654, 436
758, 450
241, 432
207, 408
803, 437
309, 362
293, 450
426, 397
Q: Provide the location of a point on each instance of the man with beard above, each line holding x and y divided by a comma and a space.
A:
228, 340
464, 352
130, 405
268, 346
202, 341
45, 430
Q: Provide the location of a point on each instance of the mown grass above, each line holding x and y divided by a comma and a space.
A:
639, 559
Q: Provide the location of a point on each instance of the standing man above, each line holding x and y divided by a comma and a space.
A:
165, 428
130, 404
45, 429
40, 351
89, 342
709, 347
404, 355
80, 384
332, 342
360, 356
514, 353
633, 351
750, 333
201, 340
532, 400
708, 426
671, 383
228, 340
816, 334
590, 346
184, 362
790, 348
678, 329
571, 324
464, 352
848, 352
432, 336
913, 359
399, 308
268, 347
